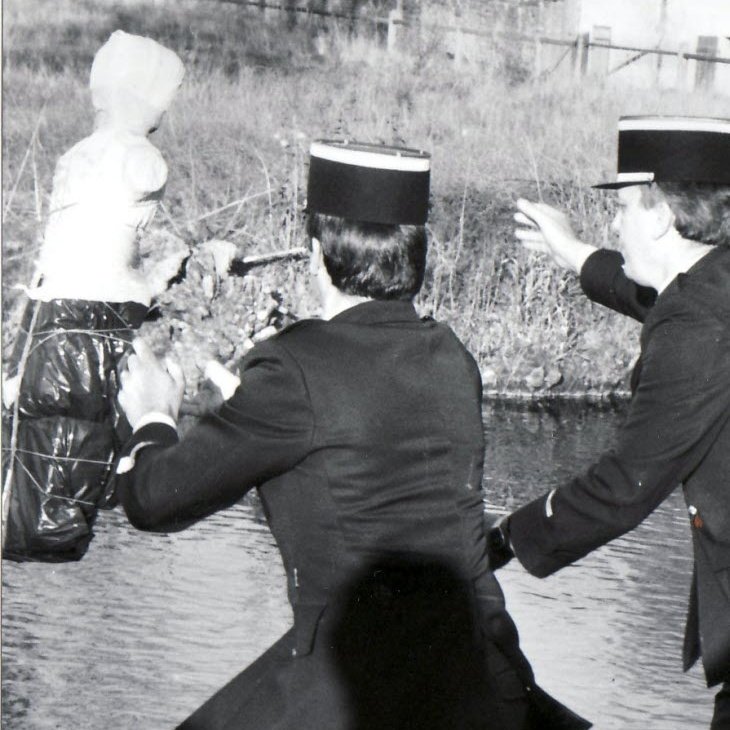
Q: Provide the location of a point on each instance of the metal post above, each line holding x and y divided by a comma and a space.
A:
681, 69
662, 31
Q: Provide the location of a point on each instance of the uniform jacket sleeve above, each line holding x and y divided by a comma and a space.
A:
603, 280
263, 430
679, 408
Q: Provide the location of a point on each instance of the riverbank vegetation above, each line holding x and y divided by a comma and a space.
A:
256, 93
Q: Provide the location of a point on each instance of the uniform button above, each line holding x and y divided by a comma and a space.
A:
694, 517
293, 652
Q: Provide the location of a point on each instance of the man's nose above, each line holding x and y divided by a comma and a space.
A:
616, 222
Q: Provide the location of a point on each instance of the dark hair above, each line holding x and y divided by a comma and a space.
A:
373, 260
701, 210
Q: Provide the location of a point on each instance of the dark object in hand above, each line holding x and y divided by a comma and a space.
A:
241, 267
499, 551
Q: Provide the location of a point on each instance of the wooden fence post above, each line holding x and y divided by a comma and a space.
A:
291, 13
412, 28
580, 59
394, 16
574, 55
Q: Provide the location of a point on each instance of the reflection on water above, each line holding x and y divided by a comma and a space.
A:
146, 627
605, 635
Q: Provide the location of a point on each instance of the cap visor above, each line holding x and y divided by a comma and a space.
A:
623, 184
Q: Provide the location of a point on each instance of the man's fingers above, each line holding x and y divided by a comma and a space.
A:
176, 373
528, 234
522, 219
144, 360
143, 350
536, 246
539, 213
548, 212
529, 210
132, 364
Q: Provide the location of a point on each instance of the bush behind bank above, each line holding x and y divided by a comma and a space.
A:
256, 94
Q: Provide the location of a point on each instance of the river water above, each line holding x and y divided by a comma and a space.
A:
146, 627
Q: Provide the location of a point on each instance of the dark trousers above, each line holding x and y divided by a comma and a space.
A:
721, 717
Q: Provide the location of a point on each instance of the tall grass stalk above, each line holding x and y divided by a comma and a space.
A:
254, 97
29, 153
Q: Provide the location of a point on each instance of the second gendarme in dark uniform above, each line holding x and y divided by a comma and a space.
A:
674, 229
363, 434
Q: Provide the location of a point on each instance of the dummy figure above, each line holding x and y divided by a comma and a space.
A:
91, 298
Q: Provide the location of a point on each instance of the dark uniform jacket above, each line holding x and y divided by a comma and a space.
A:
364, 437
677, 432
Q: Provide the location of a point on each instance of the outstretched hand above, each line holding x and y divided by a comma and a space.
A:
150, 385
547, 230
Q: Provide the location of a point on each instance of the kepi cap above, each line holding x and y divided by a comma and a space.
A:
370, 183
672, 149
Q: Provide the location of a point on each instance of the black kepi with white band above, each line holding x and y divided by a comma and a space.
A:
369, 183
672, 149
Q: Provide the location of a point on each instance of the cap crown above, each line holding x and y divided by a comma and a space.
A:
369, 183
672, 149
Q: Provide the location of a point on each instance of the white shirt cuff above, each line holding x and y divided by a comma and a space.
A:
549, 503
155, 417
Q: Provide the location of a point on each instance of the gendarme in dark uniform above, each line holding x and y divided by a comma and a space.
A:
363, 434
677, 432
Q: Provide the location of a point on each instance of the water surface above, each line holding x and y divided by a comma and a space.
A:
146, 627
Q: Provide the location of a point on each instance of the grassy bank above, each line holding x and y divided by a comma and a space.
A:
254, 97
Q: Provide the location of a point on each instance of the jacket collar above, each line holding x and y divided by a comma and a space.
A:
708, 261
378, 311
697, 271
706, 279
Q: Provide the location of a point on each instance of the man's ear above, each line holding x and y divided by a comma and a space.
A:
663, 219
316, 258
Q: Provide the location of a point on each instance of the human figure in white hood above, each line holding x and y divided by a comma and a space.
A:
91, 298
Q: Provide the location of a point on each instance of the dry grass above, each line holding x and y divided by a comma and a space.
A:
254, 97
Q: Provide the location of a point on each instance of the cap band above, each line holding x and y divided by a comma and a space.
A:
674, 124
634, 177
369, 183
404, 160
